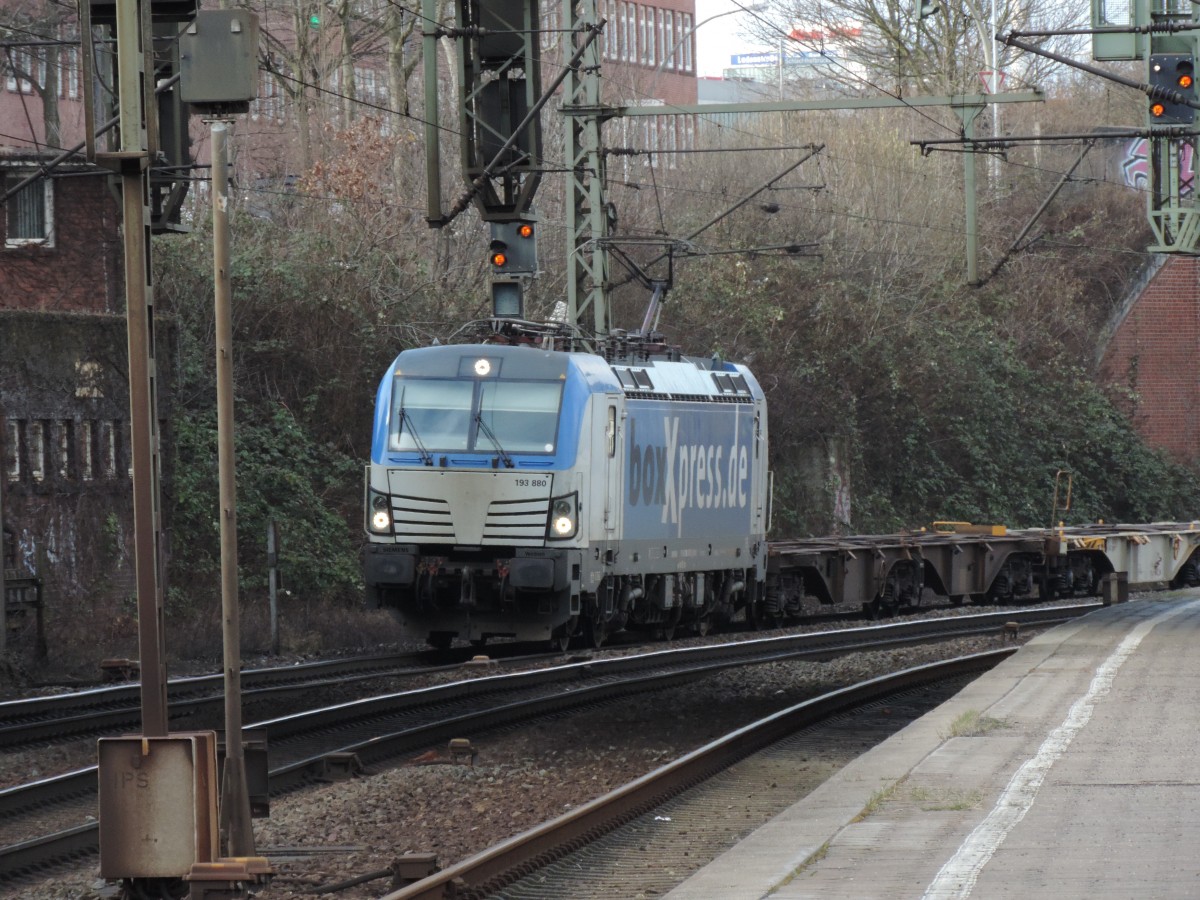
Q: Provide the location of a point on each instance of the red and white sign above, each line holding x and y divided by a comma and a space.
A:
986, 78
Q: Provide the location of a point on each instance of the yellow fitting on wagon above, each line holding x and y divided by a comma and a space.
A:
968, 528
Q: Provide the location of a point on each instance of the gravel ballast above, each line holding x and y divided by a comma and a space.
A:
430, 804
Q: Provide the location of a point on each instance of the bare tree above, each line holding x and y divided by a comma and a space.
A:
33, 56
862, 46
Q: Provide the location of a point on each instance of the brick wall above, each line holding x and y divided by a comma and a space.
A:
80, 271
1152, 358
64, 413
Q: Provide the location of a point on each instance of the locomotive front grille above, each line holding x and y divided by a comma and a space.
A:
470, 508
510, 521
418, 517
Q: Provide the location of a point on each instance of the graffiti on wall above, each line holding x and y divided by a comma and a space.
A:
1135, 166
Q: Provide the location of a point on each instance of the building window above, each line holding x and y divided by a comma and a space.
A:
35, 435
678, 52
628, 39
70, 69
19, 64
652, 35
12, 447
64, 449
652, 140
87, 454
641, 27
362, 90
89, 374
108, 448
610, 30
689, 63
30, 212
660, 41
269, 102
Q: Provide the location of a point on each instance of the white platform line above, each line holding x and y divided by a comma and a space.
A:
957, 877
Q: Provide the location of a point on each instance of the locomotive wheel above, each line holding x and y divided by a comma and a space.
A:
667, 632
561, 639
885, 603
1046, 590
1189, 575
760, 619
597, 633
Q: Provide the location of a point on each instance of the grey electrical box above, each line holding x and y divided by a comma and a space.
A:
158, 804
1130, 14
218, 61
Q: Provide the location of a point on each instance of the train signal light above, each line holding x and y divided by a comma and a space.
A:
513, 249
1172, 85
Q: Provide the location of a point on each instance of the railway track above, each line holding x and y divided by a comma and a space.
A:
106, 709
587, 852
369, 732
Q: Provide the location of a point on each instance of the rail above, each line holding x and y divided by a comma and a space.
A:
394, 724
493, 868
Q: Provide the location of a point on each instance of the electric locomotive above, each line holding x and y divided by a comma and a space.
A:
535, 493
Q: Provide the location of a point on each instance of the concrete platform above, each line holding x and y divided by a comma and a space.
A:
1082, 780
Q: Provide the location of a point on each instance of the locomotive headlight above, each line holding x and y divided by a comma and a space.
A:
563, 517
564, 522
381, 513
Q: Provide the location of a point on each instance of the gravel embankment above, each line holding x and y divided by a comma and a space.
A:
520, 778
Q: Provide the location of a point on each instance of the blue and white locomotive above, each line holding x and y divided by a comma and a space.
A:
538, 493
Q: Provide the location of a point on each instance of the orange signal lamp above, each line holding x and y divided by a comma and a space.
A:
1186, 81
1157, 109
499, 258
525, 230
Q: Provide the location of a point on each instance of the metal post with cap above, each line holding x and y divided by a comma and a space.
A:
219, 77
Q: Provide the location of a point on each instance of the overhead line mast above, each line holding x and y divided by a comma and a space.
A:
1165, 36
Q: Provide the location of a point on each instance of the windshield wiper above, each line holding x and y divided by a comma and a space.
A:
426, 456
507, 460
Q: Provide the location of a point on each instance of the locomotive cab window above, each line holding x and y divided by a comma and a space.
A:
432, 413
523, 415
473, 416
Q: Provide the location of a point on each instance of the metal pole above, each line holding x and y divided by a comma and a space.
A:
3, 542
273, 581
781, 68
236, 828
995, 89
433, 132
132, 161
968, 114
